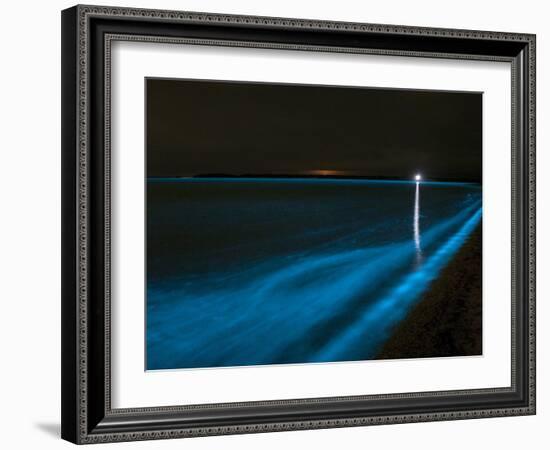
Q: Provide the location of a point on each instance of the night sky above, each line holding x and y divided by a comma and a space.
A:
210, 127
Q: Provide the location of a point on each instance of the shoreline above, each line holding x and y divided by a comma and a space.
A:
448, 319
310, 177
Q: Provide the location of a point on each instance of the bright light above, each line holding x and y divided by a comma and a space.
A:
418, 177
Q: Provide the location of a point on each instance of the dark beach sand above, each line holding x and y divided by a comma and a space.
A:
448, 320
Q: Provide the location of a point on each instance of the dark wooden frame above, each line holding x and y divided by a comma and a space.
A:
87, 32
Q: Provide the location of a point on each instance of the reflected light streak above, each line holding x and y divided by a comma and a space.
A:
416, 223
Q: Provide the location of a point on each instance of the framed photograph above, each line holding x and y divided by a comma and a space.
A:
277, 224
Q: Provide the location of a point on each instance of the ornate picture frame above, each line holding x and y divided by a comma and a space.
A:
88, 33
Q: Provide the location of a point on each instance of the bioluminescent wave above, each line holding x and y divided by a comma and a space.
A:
243, 273
376, 322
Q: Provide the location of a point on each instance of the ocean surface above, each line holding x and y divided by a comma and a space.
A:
278, 271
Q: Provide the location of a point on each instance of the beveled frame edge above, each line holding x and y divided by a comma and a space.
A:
76, 221
109, 39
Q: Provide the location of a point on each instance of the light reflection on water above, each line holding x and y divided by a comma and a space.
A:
416, 223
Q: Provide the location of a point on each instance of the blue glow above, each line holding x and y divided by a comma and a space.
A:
375, 324
333, 295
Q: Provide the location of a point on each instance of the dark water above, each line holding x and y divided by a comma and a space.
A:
276, 271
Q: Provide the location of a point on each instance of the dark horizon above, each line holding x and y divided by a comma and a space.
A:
307, 176
239, 129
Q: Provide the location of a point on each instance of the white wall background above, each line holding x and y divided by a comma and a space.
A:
30, 222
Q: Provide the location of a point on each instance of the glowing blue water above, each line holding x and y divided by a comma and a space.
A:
245, 272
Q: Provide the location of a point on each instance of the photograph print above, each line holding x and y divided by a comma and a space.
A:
298, 224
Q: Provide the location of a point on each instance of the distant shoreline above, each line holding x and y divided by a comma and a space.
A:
306, 176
